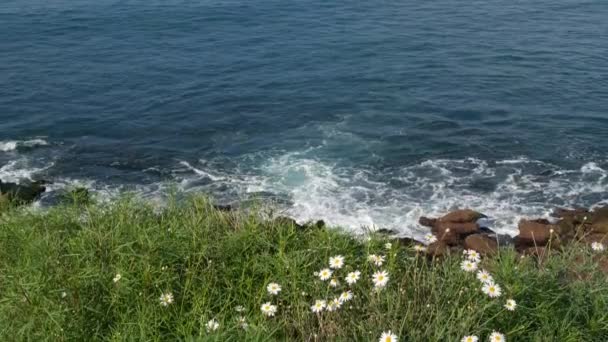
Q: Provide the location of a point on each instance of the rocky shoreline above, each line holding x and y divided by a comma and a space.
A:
452, 232
460, 230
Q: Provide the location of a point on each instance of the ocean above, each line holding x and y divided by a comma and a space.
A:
360, 113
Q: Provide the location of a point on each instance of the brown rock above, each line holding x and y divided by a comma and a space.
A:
600, 214
533, 232
462, 216
437, 249
569, 213
425, 221
450, 237
539, 252
541, 221
600, 226
458, 228
481, 243
597, 237
407, 242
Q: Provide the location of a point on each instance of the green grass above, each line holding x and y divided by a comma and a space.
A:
57, 268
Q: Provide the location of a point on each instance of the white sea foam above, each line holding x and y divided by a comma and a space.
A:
20, 169
358, 198
11, 145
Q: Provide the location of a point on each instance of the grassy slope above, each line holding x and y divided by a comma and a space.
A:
56, 271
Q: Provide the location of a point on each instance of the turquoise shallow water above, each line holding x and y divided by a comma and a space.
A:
360, 113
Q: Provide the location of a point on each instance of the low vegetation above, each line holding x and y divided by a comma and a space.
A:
129, 271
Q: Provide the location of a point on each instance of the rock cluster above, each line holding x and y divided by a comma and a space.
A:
23, 193
460, 229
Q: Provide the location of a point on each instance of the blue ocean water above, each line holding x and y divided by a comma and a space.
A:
362, 113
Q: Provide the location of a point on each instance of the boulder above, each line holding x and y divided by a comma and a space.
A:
534, 233
407, 242
22, 193
597, 237
428, 222
539, 252
481, 243
599, 227
458, 228
223, 207
462, 216
599, 214
437, 249
570, 213
450, 237
286, 221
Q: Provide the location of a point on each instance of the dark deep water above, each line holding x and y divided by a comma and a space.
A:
357, 112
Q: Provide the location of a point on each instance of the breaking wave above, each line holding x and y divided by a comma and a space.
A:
12, 145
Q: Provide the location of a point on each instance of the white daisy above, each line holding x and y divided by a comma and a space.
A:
239, 308
268, 309
117, 278
420, 248
166, 299
468, 266
380, 279
484, 277
346, 296
388, 246
334, 304
334, 282
352, 277
377, 260
492, 290
388, 336
212, 325
473, 255
243, 323
430, 238
497, 337
598, 246
510, 305
273, 288
325, 274
318, 306
336, 262
470, 338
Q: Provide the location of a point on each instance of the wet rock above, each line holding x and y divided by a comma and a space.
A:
481, 243
600, 227
462, 216
600, 214
541, 221
437, 249
286, 221
449, 236
386, 231
407, 242
532, 232
223, 207
569, 213
597, 237
458, 228
428, 222
22, 193
538, 252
